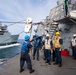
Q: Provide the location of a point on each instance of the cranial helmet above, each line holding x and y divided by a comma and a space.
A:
27, 37
57, 33
47, 35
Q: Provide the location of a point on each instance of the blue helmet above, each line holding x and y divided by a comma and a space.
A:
27, 37
37, 36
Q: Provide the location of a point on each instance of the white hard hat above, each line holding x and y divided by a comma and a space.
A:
74, 35
47, 35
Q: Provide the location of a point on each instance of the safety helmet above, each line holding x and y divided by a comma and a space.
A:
74, 35
27, 37
57, 33
37, 36
47, 35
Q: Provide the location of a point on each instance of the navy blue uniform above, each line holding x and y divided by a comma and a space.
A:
58, 53
25, 55
73, 44
36, 48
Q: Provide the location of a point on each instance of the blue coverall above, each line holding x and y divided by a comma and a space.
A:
36, 48
25, 55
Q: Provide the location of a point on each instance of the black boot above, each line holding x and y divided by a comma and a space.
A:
32, 70
49, 63
74, 58
60, 65
33, 58
21, 70
46, 61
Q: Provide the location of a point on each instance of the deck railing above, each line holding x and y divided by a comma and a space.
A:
58, 12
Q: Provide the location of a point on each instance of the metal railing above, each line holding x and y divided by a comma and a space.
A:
58, 12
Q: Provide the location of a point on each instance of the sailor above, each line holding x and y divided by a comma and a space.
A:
58, 42
26, 47
36, 47
73, 42
48, 49
66, 7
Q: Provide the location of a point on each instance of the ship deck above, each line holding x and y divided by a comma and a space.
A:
11, 67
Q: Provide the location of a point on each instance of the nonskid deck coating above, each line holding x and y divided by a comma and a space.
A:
11, 67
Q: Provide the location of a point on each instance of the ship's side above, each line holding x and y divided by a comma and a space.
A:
6, 37
69, 27
66, 25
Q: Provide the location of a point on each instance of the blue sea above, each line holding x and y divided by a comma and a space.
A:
10, 52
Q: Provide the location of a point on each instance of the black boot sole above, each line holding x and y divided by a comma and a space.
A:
32, 71
21, 70
60, 66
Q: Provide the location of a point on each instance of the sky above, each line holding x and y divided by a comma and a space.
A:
18, 10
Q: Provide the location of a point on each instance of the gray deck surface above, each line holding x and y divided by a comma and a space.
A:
11, 67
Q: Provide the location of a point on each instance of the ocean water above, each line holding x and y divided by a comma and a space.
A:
10, 52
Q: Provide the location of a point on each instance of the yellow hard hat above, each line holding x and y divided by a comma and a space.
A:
57, 33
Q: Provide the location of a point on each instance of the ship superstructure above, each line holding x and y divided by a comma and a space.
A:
57, 20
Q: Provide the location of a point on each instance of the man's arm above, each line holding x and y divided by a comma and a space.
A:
30, 46
61, 42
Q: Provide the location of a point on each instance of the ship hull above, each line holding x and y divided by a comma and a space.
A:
8, 39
